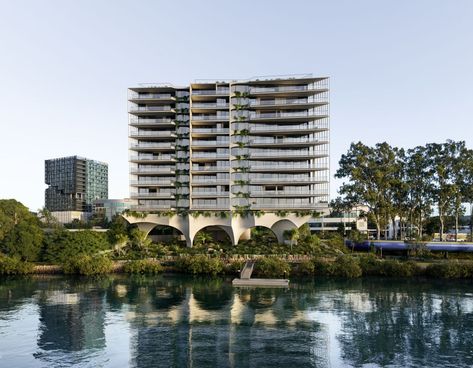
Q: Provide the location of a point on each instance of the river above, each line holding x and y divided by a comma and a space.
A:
177, 321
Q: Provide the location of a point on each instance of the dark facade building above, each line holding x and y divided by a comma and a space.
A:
74, 183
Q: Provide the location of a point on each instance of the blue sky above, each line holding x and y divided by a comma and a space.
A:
401, 71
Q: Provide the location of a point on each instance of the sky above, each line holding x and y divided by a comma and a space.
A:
401, 71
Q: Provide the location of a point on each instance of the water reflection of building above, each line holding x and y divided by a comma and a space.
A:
71, 321
223, 327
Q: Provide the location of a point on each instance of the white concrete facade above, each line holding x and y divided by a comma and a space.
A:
236, 227
238, 146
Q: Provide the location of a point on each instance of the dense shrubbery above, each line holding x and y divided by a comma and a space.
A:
87, 265
143, 266
20, 232
14, 266
371, 265
199, 264
272, 267
346, 266
62, 245
450, 270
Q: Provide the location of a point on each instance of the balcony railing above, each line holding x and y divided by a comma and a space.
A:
153, 169
152, 121
211, 168
153, 158
282, 141
301, 101
152, 182
314, 87
282, 205
284, 153
210, 194
211, 92
210, 117
210, 131
147, 133
151, 108
149, 96
209, 143
210, 105
293, 114
285, 128
285, 167
153, 195
153, 145
210, 155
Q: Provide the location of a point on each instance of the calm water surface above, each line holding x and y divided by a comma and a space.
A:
174, 321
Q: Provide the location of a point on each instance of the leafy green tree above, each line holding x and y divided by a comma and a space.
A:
20, 232
203, 238
140, 240
369, 171
62, 245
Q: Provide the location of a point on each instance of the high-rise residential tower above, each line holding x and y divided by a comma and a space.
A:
245, 146
74, 183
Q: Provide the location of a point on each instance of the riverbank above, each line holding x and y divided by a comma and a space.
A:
343, 266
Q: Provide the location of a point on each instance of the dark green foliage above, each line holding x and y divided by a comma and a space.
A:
199, 264
62, 245
346, 266
20, 232
14, 266
306, 268
87, 265
272, 267
144, 266
450, 270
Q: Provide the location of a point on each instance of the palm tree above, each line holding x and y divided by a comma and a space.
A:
203, 238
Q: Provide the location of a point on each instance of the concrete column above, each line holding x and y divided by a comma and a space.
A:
246, 235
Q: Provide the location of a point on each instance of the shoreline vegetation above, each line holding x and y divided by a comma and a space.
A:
343, 266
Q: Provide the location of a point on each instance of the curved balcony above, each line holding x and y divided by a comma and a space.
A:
289, 91
289, 116
152, 183
151, 146
209, 132
208, 194
286, 193
153, 170
151, 110
153, 159
286, 154
162, 122
137, 195
146, 97
296, 142
283, 104
286, 168
158, 134
266, 129
213, 169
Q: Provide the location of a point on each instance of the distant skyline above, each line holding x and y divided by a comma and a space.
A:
401, 71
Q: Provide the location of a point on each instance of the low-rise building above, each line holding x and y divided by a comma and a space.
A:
111, 207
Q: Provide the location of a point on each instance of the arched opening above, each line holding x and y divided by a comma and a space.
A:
213, 236
257, 235
167, 234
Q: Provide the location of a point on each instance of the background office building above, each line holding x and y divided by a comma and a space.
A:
74, 183
258, 144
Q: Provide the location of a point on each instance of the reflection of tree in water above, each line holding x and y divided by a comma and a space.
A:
403, 324
212, 294
14, 292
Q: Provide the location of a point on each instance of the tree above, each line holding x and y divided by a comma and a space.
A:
202, 238
369, 171
47, 218
140, 240
20, 232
